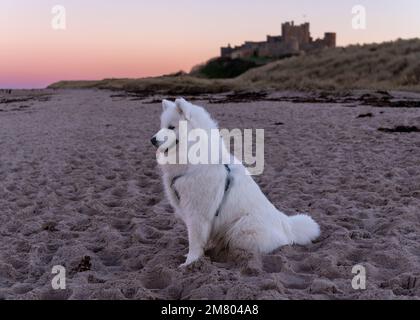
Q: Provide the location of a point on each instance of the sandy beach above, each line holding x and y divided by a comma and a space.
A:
80, 187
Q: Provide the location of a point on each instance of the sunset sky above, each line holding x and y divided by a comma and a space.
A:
138, 38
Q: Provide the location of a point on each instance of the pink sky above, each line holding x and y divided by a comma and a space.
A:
146, 38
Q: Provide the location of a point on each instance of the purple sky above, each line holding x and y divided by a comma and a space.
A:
146, 38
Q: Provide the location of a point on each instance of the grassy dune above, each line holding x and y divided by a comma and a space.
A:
391, 65
182, 84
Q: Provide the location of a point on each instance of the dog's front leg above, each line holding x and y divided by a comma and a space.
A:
198, 235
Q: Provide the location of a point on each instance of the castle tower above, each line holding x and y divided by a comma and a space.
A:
226, 51
330, 39
299, 33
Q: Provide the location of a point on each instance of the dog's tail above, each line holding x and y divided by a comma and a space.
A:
304, 229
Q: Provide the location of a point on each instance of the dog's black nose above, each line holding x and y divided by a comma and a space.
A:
153, 141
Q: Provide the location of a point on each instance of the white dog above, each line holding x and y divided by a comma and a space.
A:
221, 205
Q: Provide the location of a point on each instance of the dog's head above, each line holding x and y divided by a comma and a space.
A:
172, 115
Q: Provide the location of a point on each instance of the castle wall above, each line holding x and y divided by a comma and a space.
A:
226, 51
244, 53
278, 49
274, 39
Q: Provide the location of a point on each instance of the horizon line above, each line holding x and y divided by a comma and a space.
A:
23, 87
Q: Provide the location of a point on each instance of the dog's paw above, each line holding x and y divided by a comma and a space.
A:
187, 266
188, 262
196, 264
183, 265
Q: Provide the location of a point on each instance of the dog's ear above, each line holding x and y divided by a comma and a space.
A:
184, 108
166, 104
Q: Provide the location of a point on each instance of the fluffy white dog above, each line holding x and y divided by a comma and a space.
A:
221, 205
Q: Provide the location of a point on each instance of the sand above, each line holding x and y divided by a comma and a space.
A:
79, 187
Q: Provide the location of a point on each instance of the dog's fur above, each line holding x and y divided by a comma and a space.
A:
247, 219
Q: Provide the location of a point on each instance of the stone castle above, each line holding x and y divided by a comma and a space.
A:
293, 40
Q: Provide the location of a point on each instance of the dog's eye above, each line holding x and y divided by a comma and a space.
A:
171, 128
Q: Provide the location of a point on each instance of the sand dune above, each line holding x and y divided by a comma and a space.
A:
79, 187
